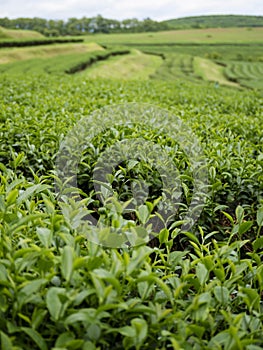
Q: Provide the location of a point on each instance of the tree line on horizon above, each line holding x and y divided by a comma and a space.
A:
79, 26
84, 25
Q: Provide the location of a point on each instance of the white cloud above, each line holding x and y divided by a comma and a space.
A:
155, 9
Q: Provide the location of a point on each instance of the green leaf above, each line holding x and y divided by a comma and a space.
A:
36, 337
201, 273
30, 191
260, 216
163, 236
132, 163
45, 236
138, 257
143, 214
54, 304
37, 317
27, 292
67, 262
109, 277
221, 339
229, 217
94, 332
222, 294
239, 214
251, 297
83, 315
6, 343
244, 227
88, 346
192, 237
18, 160
254, 347
212, 172
3, 273
11, 198
127, 331
258, 244
197, 330
32, 286
64, 339
154, 279
141, 329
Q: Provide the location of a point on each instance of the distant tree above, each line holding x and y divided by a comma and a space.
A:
78, 26
73, 26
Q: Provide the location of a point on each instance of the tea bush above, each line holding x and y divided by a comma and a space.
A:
60, 64
186, 290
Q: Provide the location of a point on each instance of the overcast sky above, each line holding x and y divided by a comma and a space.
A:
155, 9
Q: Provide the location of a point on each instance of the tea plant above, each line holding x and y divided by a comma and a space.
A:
183, 290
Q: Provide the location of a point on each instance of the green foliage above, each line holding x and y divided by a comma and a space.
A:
249, 74
84, 25
70, 293
61, 64
96, 57
184, 290
216, 51
36, 42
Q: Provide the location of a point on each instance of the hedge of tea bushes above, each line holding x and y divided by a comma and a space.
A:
188, 290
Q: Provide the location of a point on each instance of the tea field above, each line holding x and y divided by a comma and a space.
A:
205, 35
247, 73
138, 279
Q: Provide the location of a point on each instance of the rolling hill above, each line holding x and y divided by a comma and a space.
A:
215, 21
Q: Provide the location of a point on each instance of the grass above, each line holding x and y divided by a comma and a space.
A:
211, 71
10, 55
136, 65
19, 34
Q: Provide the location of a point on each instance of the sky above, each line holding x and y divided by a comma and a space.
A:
122, 9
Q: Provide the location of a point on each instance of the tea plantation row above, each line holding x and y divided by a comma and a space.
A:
184, 290
60, 64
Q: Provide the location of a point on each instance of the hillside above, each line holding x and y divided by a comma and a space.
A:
207, 36
215, 21
10, 55
19, 34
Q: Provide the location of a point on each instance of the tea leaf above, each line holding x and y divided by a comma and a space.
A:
34, 335
67, 260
